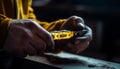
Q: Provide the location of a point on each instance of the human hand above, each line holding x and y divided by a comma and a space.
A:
79, 42
27, 37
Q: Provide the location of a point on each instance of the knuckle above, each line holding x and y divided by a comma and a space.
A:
77, 18
28, 22
48, 36
42, 46
74, 16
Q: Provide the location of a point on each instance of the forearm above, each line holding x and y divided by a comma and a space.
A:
55, 25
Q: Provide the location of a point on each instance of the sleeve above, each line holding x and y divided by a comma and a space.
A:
4, 26
55, 25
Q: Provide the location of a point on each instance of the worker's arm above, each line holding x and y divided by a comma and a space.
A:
4, 26
49, 26
73, 23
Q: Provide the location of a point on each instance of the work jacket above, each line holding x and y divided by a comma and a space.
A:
20, 9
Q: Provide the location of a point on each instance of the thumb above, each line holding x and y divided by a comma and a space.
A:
74, 23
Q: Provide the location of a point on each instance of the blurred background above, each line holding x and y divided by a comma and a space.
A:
103, 16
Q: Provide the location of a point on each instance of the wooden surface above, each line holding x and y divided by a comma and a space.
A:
65, 60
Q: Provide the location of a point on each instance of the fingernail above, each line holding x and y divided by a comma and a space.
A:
81, 25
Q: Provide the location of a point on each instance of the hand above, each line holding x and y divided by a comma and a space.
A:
27, 37
78, 43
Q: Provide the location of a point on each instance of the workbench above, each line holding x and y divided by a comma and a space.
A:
66, 60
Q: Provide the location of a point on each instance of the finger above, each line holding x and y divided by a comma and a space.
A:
86, 35
48, 40
26, 47
38, 44
72, 48
76, 23
77, 47
30, 50
43, 34
82, 45
76, 19
47, 37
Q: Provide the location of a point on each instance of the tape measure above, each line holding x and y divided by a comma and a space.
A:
67, 34
62, 34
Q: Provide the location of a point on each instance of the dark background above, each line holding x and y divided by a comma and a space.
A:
103, 16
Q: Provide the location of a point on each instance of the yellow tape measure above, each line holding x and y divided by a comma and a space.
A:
63, 34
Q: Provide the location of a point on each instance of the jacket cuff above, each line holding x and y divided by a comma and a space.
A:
56, 25
4, 27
